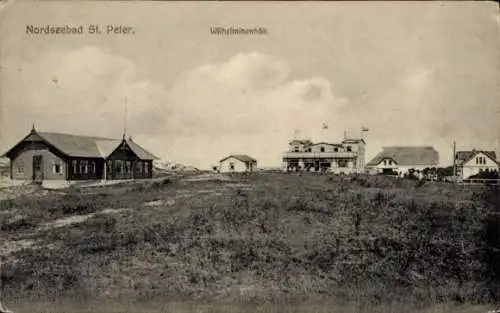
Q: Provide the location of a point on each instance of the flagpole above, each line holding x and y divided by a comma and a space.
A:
363, 130
454, 162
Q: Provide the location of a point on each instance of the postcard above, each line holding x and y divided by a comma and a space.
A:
161, 107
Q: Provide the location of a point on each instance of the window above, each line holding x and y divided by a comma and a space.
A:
84, 166
385, 162
296, 149
342, 163
231, 166
138, 166
109, 166
146, 167
349, 149
75, 168
92, 167
308, 150
118, 166
480, 160
128, 166
336, 149
20, 167
56, 167
322, 149
37, 160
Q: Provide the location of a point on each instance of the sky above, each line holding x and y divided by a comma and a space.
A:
412, 73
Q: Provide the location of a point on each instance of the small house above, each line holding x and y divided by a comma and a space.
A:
400, 159
469, 163
237, 163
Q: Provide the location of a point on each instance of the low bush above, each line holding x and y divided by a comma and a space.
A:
368, 239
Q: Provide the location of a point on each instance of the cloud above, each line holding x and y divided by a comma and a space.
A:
242, 96
246, 104
80, 91
417, 80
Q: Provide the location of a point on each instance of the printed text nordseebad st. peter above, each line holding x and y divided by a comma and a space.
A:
69, 29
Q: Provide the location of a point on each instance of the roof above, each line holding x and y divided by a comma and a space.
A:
353, 140
240, 157
465, 156
327, 143
310, 143
408, 156
88, 146
305, 142
140, 151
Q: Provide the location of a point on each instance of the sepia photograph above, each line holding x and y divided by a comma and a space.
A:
249, 156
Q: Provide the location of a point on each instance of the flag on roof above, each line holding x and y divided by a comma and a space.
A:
364, 129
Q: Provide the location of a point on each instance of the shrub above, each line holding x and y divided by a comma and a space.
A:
352, 238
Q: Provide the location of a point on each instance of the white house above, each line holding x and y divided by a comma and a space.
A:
237, 163
402, 159
469, 163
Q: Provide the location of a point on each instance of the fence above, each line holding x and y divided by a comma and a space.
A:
479, 181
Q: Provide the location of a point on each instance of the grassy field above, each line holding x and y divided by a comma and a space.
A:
268, 242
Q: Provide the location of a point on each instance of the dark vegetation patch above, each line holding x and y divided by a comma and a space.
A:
368, 239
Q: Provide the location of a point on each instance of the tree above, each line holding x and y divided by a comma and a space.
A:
443, 172
426, 171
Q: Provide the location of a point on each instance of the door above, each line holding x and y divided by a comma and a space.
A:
37, 167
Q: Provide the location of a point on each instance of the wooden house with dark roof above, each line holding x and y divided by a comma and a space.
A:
55, 156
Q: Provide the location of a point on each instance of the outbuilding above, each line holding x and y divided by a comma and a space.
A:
237, 163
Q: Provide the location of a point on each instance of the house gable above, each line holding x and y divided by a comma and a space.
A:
123, 150
480, 159
32, 141
33, 137
388, 161
240, 157
232, 160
